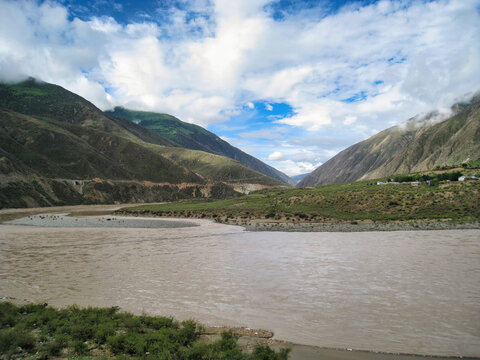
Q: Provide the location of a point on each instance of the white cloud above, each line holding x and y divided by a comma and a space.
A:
359, 69
349, 120
268, 107
312, 116
293, 168
294, 161
276, 156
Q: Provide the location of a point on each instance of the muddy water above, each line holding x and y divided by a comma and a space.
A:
410, 292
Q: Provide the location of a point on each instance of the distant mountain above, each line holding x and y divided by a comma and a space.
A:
47, 132
195, 137
298, 178
420, 144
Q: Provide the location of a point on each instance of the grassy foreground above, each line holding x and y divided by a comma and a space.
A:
41, 332
358, 201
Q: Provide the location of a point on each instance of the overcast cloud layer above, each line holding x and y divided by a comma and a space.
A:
337, 77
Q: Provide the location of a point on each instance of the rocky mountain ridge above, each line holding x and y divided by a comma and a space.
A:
420, 144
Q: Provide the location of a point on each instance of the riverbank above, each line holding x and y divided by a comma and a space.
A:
105, 221
114, 217
37, 330
355, 226
249, 338
360, 206
310, 226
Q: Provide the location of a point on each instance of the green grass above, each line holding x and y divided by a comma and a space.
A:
164, 124
23, 91
340, 202
219, 168
42, 332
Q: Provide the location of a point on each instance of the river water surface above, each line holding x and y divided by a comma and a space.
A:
409, 292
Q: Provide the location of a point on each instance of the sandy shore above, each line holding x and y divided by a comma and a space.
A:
251, 337
105, 221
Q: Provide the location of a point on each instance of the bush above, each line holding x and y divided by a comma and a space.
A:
158, 322
125, 335
80, 348
266, 353
13, 339
8, 314
102, 332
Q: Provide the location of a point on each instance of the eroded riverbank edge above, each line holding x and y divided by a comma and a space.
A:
327, 226
252, 337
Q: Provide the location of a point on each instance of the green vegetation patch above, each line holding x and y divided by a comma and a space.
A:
363, 200
42, 332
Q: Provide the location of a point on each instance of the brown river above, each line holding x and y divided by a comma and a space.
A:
409, 292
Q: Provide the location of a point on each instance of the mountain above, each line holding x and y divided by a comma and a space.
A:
57, 134
58, 148
195, 137
420, 144
298, 178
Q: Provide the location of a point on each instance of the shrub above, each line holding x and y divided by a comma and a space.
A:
79, 347
125, 335
263, 352
158, 322
12, 339
102, 332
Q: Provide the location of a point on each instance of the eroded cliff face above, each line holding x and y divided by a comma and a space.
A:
34, 191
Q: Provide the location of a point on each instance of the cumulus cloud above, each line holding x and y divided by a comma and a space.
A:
276, 156
356, 70
296, 167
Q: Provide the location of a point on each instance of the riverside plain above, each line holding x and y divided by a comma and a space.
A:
410, 292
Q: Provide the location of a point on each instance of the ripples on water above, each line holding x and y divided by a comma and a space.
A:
414, 292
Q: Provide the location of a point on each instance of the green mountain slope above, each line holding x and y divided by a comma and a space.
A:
417, 146
450, 142
74, 152
53, 103
51, 132
194, 137
217, 167
61, 135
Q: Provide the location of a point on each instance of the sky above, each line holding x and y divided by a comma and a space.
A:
291, 82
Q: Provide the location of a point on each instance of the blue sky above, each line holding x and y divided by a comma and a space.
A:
131, 11
291, 82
